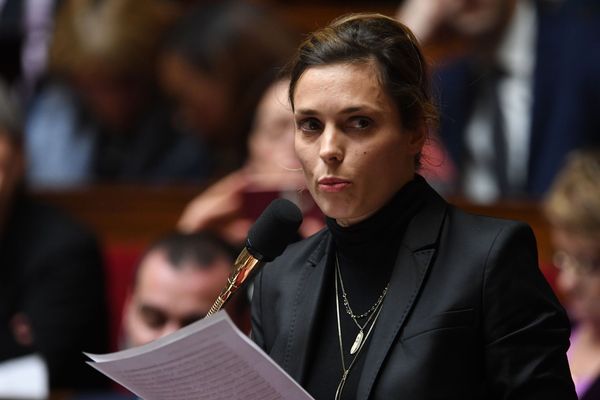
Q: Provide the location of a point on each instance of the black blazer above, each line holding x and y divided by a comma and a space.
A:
468, 314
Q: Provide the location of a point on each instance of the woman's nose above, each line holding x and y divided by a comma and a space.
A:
331, 150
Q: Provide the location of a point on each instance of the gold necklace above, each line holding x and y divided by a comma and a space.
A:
346, 371
360, 337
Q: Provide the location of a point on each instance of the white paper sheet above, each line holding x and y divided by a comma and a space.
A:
209, 359
24, 378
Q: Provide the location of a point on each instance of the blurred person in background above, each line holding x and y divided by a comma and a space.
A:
176, 282
52, 299
272, 167
524, 91
99, 117
573, 208
25, 31
215, 64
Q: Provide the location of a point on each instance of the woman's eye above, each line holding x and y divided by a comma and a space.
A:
360, 122
309, 125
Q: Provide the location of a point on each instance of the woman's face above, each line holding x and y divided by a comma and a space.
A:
579, 276
350, 141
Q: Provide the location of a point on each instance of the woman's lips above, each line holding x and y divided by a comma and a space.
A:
333, 185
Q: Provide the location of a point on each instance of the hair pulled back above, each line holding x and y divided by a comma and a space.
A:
361, 38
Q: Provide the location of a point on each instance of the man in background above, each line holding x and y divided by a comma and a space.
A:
176, 282
522, 92
52, 298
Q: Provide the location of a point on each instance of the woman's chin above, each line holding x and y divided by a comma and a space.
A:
342, 218
332, 211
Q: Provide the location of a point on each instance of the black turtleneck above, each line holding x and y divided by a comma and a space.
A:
366, 252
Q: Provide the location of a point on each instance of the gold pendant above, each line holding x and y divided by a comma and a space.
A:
357, 342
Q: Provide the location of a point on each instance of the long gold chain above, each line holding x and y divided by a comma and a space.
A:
377, 311
360, 337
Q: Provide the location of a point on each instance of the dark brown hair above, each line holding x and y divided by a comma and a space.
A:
359, 38
199, 248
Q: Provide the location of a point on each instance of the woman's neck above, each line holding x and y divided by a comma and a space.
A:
379, 231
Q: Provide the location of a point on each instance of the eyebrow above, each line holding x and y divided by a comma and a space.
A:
347, 110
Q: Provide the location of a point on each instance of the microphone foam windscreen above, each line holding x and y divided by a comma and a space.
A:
274, 230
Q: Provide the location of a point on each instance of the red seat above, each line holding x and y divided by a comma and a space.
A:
120, 261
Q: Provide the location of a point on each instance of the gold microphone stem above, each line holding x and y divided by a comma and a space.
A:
243, 266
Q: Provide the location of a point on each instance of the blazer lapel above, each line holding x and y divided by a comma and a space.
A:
303, 314
412, 264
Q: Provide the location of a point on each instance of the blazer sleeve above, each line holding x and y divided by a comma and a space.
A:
66, 304
526, 331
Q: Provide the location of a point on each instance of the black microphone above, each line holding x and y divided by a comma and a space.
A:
276, 227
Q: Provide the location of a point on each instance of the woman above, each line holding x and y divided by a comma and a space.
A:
573, 208
402, 296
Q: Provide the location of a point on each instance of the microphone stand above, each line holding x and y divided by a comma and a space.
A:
244, 265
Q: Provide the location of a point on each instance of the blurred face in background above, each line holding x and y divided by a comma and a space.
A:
202, 102
11, 170
271, 141
166, 298
578, 259
114, 98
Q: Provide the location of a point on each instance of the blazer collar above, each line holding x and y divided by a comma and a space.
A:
308, 296
412, 263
